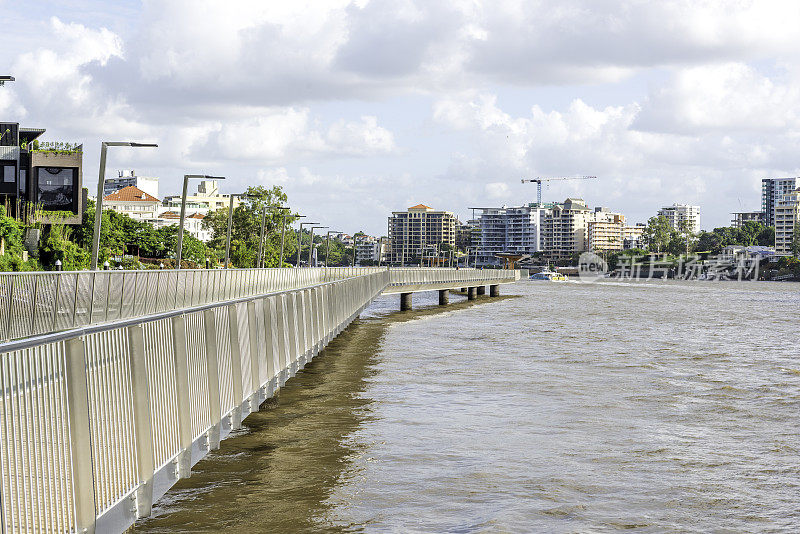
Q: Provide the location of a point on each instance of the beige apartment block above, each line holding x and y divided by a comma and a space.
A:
418, 231
605, 231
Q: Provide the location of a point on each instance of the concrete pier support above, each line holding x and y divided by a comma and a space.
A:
444, 297
494, 291
405, 301
481, 290
472, 293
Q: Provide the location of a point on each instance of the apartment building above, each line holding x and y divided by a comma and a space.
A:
605, 231
205, 200
741, 217
414, 232
632, 236
787, 216
773, 191
126, 178
43, 175
564, 229
508, 230
467, 235
678, 213
370, 250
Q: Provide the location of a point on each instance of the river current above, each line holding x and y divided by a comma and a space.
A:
654, 406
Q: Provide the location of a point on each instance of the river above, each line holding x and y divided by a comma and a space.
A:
654, 406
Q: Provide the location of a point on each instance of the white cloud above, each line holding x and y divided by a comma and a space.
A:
665, 101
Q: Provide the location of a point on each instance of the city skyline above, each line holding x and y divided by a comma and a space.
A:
667, 103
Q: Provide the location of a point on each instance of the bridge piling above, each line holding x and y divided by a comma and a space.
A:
444, 297
481, 290
472, 293
405, 301
494, 290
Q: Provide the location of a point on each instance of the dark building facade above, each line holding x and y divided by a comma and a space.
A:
36, 177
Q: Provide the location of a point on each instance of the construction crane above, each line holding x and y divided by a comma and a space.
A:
540, 180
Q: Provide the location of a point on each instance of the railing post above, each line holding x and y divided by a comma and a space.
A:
292, 331
80, 440
271, 340
212, 373
236, 366
255, 369
283, 339
141, 420
180, 352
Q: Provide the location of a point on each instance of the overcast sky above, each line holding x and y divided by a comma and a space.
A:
360, 108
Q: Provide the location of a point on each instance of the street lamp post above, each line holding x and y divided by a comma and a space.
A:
101, 181
300, 240
179, 251
283, 233
230, 227
261, 240
328, 246
311, 246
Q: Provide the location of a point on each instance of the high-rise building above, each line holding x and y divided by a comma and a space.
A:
677, 213
605, 230
564, 229
787, 216
508, 230
127, 178
773, 190
741, 217
417, 231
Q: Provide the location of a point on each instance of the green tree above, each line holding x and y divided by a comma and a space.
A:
246, 229
657, 234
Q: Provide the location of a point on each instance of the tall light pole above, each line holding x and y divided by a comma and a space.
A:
283, 232
101, 182
300, 240
261, 240
328, 246
311, 246
230, 227
179, 251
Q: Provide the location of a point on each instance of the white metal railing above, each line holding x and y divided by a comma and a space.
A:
99, 421
420, 278
44, 302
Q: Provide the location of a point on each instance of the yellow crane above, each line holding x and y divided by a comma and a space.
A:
540, 179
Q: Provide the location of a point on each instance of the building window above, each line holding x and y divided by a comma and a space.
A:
23, 181
9, 173
57, 187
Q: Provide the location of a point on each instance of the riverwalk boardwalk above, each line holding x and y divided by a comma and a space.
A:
114, 383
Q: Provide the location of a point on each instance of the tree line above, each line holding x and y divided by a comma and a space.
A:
134, 244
